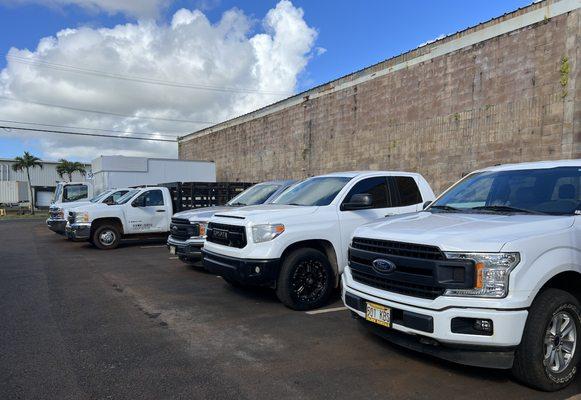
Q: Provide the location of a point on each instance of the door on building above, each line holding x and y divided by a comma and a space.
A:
43, 198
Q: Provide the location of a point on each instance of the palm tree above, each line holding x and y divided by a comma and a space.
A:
69, 168
26, 162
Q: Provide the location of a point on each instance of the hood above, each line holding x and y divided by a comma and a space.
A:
70, 205
463, 232
202, 214
268, 212
91, 207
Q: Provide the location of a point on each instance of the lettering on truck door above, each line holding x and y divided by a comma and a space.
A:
147, 213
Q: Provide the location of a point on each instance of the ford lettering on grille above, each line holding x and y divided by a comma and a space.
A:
382, 266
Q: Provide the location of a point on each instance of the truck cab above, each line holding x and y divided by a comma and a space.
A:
487, 275
67, 195
297, 244
188, 228
140, 213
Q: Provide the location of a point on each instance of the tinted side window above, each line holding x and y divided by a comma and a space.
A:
376, 187
409, 193
149, 199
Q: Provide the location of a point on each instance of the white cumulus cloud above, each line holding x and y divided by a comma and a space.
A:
187, 70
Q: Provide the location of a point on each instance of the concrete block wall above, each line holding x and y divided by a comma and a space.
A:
510, 98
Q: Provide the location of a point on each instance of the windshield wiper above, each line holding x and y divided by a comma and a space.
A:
446, 208
507, 209
237, 204
294, 204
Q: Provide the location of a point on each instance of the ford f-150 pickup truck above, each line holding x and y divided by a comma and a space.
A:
68, 195
488, 275
188, 228
297, 244
140, 213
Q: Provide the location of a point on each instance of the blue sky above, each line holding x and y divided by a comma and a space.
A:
355, 34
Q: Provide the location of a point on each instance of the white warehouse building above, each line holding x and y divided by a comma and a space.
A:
105, 172
14, 189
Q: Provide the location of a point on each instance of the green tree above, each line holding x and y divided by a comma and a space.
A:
68, 168
25, 163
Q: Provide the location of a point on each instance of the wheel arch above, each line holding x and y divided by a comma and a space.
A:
110, 220
324, 246
569, 281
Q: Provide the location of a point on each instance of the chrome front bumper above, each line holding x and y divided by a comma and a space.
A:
57, 225
80, 231
187, 250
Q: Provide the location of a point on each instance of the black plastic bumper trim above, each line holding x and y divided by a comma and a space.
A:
242, 270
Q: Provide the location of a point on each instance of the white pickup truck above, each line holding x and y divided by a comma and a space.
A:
488, 275
66, 195
140, 213
298, 243
188, 228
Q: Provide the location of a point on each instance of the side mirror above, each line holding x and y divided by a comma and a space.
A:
426, 204
360, 201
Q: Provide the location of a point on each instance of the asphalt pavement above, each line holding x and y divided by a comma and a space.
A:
136, 323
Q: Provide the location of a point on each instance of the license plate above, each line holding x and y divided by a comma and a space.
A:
378, 314
172, 250
220, 234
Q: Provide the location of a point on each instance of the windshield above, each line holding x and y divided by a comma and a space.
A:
254, 195
127, 196
554, 191
57, 193
100, 196
314, 191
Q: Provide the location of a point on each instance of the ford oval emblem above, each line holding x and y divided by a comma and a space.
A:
382, 266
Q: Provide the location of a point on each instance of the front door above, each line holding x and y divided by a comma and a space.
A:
147, 213
351, 219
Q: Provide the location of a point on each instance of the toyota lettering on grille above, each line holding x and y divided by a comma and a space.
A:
382, 266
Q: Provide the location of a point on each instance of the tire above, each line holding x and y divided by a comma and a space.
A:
305, 280
106, 237
551, 306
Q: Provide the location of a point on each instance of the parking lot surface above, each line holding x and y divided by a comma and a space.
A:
136, 323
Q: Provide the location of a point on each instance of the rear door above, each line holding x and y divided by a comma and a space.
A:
406, 196
148, 213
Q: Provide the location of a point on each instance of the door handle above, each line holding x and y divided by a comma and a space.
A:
159, 210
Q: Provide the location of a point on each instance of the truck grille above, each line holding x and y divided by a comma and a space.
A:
226, 235
182, 229
420, 270
54, 214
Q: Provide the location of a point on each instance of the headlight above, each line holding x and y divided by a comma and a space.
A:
492, 271
264, 233
202, 226
82, 217
60, 213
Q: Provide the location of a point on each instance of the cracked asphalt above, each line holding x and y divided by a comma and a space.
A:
135, 323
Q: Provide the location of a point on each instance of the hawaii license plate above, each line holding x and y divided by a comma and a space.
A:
378, 314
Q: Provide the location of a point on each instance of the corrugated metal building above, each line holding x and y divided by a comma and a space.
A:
43, 180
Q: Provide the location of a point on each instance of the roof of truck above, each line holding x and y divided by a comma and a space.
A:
353, 174
534, 165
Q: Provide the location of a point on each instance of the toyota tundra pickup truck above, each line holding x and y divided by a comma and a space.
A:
487, 275
140, 213
188, 228
298, 243
70, 193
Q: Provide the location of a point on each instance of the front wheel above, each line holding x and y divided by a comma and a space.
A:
548, 355
106, 237
306, 280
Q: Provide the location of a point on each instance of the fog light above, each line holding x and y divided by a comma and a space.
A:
257, 269
483, 325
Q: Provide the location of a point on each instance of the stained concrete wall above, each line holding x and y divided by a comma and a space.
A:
507, 90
